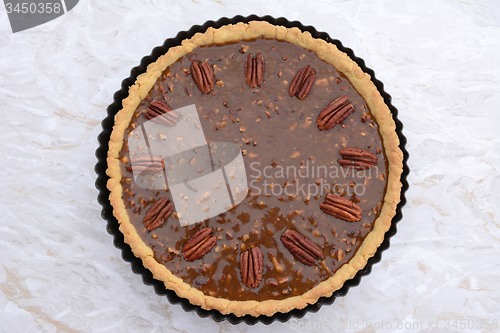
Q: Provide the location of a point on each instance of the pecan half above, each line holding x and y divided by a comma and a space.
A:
254, 70
199, 244
146, 164
203, 76
161, 113
302, 83
301, 247
340, 207
251, 267
357, 158
158, 213
334, 113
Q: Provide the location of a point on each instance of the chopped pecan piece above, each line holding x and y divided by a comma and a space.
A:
340, 207
146, 164
158, 213
300, 247
199, 244
161, 113
302, 83
254, 70
251, 267
203, 76
334, 113
357, 158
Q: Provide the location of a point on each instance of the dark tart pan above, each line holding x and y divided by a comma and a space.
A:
112, 223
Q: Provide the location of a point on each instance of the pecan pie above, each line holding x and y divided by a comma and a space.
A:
320, 155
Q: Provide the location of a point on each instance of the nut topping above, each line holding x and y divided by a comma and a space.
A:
199, 244
158, 213
254, 70
161, 113
340, 207
146, 164
302, 83
300, 247
203, 76
251, 267
334, 113
357, 158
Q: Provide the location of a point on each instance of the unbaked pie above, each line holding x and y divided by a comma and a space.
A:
316, 143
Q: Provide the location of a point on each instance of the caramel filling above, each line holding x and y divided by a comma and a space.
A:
291, 165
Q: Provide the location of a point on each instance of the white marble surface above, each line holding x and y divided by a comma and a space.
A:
440, 61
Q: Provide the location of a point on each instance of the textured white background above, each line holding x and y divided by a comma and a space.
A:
440, 61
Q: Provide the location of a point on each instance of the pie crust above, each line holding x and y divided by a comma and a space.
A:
361, 82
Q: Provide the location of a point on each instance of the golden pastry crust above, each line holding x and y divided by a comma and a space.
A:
361, 82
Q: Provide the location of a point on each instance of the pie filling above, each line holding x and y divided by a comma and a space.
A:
291, 166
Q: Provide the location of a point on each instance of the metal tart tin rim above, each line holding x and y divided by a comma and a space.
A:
113, 225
